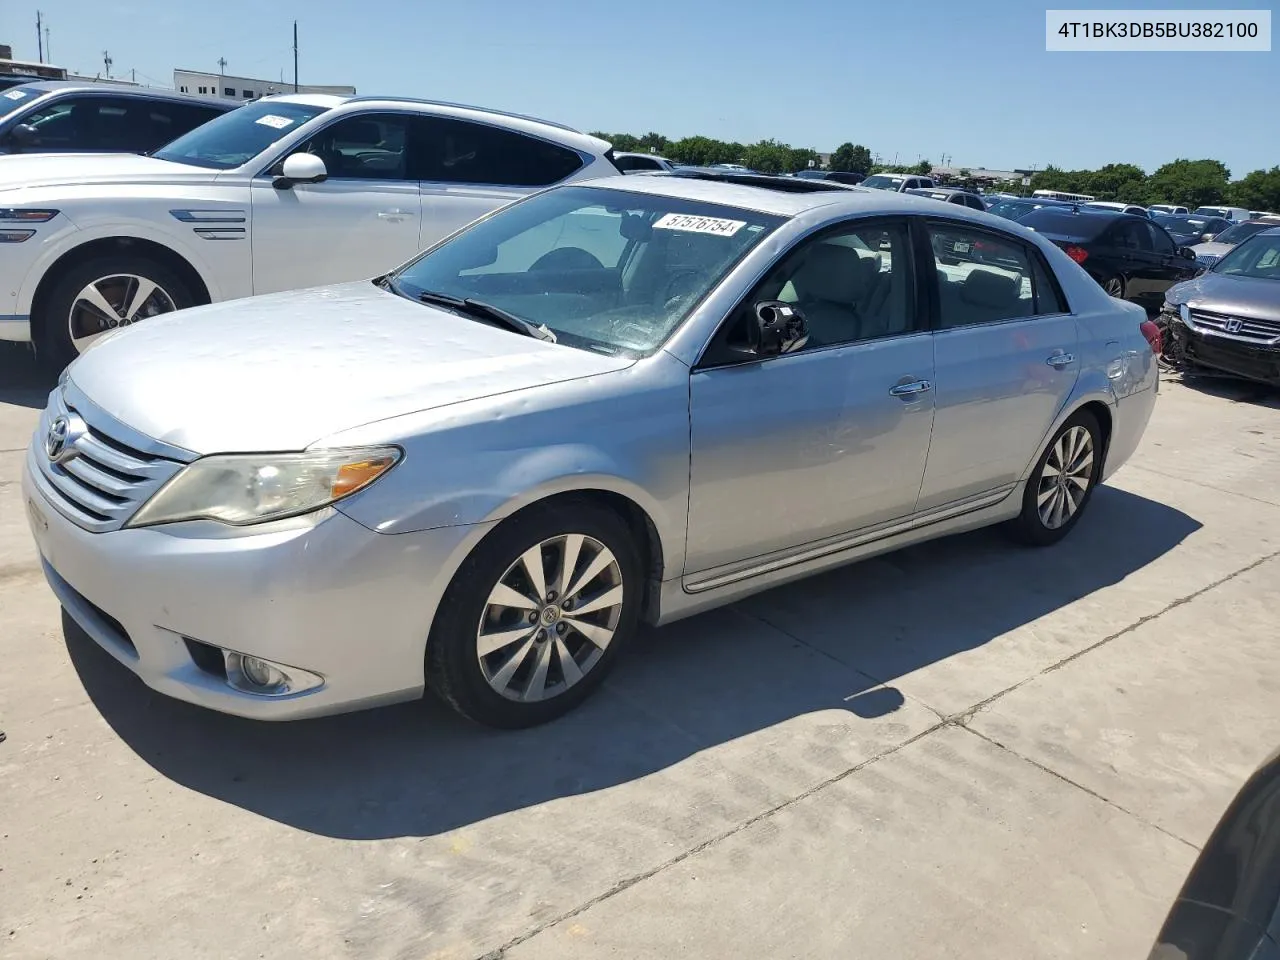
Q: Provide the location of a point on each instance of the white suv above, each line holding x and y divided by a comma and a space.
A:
285, 192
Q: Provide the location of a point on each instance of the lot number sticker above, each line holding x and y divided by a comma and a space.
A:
16, 94
690, 224
276, 123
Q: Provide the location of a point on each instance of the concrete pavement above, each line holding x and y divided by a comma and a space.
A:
961, 750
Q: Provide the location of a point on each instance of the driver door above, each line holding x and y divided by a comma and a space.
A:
361, 221
832, 439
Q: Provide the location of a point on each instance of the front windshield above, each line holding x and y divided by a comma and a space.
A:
604, 270
15, 99
1209, 212
882, 182
1241, 231
238, 136
1258, 258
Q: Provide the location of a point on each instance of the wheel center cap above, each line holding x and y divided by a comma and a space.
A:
550, 614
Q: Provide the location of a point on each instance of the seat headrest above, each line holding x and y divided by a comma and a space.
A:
834, 273
986, 288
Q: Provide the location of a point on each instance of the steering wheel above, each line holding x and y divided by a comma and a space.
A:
673, 293
567, 258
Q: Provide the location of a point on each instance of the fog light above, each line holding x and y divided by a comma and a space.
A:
250, 674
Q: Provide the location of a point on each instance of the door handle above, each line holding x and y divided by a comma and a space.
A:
910, 389
392, 215
1060, 360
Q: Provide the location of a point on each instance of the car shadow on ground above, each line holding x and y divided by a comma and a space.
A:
419, 770
23, 381
1227, 387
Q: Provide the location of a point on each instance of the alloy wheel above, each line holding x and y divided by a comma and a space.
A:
1114, 287
114, 301
550, 617
1065, 479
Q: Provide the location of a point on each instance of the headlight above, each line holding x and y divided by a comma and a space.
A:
243, 489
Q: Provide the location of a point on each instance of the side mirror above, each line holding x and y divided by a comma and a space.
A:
1205, 238
779, 328
300, 168
24, 135
1186, 253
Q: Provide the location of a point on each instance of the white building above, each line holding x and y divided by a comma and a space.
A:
244, 88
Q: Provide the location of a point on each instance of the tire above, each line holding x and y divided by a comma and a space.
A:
64, 326
487, 688
1032, 526
1114, 286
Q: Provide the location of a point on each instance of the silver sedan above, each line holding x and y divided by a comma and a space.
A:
607, 404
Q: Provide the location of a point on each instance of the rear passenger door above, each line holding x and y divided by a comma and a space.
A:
467, 169
1004, 362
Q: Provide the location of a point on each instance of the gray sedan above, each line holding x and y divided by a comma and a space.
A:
607, 404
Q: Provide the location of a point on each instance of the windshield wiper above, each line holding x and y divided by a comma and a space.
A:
487, 311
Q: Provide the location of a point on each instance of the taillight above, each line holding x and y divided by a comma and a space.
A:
1151, 330
1078, 254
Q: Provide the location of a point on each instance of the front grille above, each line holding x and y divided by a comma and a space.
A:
1251, 330
101, 481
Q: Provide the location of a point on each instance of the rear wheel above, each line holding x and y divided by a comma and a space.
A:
536, 616
1062, 482
1114, 286
99, 296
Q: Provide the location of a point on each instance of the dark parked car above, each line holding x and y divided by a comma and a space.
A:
1190, 230
1133, 258
1228, 318
1015, 208
1229, 906
839, 176
950, 195
54, 116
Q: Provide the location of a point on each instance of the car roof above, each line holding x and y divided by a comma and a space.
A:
924, 191
548, 129
121, 90
784, 196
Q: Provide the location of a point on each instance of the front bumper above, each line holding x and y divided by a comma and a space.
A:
1253, 362
324, 594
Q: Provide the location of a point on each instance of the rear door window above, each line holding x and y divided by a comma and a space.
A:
458, 151
982, 277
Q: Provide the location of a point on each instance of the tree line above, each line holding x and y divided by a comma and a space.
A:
1191, 183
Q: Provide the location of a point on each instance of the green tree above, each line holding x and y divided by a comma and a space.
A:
924, 168
1259, 190
1116, 181
800, 157
654, 142
851, 158
768, 156
1193, 183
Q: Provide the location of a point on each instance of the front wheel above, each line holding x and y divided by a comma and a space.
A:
1062, 482
536, 616
98, 296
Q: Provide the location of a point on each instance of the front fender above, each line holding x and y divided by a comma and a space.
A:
136, 229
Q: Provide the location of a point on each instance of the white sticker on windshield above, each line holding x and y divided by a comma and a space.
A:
274, 122
16, 94
690, 224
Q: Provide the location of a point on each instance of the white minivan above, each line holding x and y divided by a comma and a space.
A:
1234, 214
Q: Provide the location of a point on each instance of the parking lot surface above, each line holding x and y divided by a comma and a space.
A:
964, 749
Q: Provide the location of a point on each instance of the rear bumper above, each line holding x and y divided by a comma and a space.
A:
1261, 363
16, 328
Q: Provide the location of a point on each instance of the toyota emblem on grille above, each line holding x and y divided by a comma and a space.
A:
59, 442
1232, 326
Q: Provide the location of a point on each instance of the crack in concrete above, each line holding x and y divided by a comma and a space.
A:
1201, 483
626, 884
1079, 786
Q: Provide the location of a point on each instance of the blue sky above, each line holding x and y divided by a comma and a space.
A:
911, 79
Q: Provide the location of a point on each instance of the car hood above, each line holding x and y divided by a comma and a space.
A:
58, 169
1211, 249
281, 371
1239, 296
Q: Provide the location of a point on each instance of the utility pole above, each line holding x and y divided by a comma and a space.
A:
222, 66
40, 35
295, 56
133, 75
106, 63
48, 50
